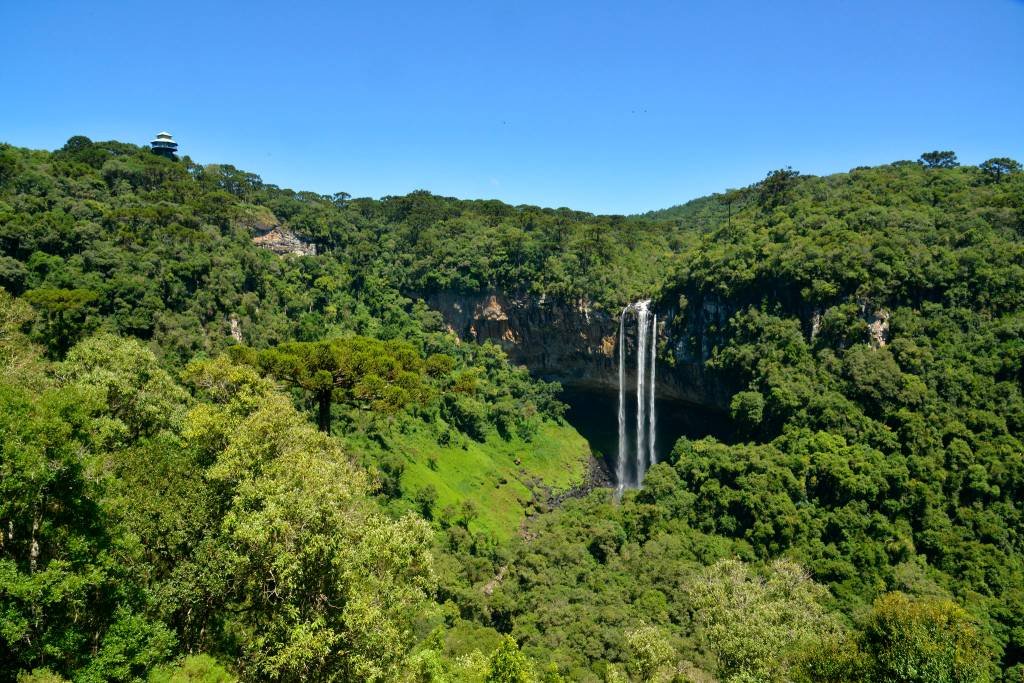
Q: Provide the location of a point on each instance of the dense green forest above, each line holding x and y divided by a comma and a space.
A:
218, 463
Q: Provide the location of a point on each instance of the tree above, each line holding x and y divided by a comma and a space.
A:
509, 665
320, 585
998, 167
19, 358
758, 627
139, 396
56, 586
8, 164
65, 313
747, 408
919, 640
383, 376
76, 143
733, 196
192, 669
425, 499
131, 647
651, 656
775, 188
13, 274
937, 159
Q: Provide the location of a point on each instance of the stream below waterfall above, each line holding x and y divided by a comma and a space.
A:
593, 412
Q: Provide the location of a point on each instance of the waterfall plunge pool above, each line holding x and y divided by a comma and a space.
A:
594, 414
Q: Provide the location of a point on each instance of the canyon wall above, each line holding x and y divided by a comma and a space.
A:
576, 344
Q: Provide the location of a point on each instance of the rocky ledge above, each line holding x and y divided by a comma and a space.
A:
575, 343
269, 233
281, 240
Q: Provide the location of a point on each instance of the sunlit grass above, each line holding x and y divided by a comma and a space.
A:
487, 474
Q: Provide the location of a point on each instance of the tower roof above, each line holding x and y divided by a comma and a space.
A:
164, 141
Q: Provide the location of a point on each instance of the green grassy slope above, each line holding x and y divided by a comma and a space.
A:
500, 476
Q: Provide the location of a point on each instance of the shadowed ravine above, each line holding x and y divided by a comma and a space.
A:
593, 413
605, 361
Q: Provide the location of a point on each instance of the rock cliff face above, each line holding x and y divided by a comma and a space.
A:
281, 240
577, 345
269, 233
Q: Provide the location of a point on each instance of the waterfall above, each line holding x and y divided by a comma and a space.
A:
651, 419
620, 469
644, 454
641, 393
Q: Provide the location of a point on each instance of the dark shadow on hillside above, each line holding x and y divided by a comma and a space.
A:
594, 414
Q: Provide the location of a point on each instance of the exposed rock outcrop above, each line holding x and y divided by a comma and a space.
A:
236, 328
269, 233
281, 240
575, 343
878, 327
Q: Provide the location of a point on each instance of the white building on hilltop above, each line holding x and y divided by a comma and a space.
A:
164, 145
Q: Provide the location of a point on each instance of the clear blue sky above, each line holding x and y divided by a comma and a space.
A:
612, 107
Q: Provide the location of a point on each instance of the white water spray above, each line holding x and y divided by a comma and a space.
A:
620, 469
651, 419
644, 454
641, 394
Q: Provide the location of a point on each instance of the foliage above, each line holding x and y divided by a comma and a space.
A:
274, 553
66, 314
651, 656
937, 159
345, 580
160, 498
923, 640
192, 669
508, 665
383, 377
998, 167
139, 397
757, 627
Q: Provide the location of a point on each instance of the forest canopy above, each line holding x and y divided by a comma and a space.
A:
221, 463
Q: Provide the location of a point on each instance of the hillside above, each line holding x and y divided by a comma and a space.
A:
109, 237
234, 425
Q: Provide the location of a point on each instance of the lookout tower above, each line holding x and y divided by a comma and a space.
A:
164, 145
